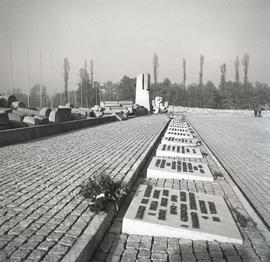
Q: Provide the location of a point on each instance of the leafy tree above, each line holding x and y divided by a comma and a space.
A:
210, 95
126, 88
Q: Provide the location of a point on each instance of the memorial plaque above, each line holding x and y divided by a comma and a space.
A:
169, 133
178, 141
169, 168
157, 211
178, 125
166, 150
178, 129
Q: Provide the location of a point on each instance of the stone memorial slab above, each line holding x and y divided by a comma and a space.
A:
178, 141
157, 211
169, 133
178, 129
169, 168
183, 125
165, 150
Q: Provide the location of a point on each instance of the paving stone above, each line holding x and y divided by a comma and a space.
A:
128, 258
143, 259
144, 253
174, 257
157, 255
188, 257
134, 238
59, 250
134, 245
46, 245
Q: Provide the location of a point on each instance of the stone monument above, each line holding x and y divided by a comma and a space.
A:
143, 95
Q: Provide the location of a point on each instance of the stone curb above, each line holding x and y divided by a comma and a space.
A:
87, 243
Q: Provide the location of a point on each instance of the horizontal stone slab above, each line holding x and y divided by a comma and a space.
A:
169, 133
157, 211
168, 168
166, 150
178, 141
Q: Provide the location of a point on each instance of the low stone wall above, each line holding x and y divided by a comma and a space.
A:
13, 136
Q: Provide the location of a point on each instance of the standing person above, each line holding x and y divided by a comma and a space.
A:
259, 112
255, 111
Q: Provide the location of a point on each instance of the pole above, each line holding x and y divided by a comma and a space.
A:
11, 66
60, 93
27, 67
40, 75
51, 64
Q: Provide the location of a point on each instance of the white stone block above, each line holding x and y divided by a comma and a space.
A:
165, 150
156, 211
178, 141
169, 133
142, 97
178, 129
169, 168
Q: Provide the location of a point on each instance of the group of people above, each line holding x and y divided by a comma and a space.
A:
257, 112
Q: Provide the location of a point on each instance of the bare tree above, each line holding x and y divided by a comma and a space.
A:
237, 82
201, 81
184, 74
236, 66
66, 76
184, 80
223, 77
155, 69
245, 62
86, 86
92, 72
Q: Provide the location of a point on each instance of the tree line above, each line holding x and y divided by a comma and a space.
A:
227, 95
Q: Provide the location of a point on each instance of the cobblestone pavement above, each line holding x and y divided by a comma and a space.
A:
117, 246
41, 213
242, 145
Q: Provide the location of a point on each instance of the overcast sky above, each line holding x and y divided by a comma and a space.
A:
121, 37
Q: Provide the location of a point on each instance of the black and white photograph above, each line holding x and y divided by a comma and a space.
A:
134, 131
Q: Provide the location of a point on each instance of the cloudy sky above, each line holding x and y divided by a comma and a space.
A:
121, 37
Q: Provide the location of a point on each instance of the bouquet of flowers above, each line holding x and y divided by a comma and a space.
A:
101, 189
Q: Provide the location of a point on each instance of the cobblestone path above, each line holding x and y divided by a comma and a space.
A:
119, 247
41, 213
242, 145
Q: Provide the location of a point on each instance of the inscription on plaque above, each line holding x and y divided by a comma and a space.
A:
178, 169
178, 141
166, 150
177, 134
179, 213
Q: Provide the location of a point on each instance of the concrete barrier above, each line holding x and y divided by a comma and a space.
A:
14, 136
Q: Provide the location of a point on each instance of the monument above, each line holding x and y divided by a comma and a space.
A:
143, 95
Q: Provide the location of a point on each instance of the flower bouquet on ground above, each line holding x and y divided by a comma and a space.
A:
102, 190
